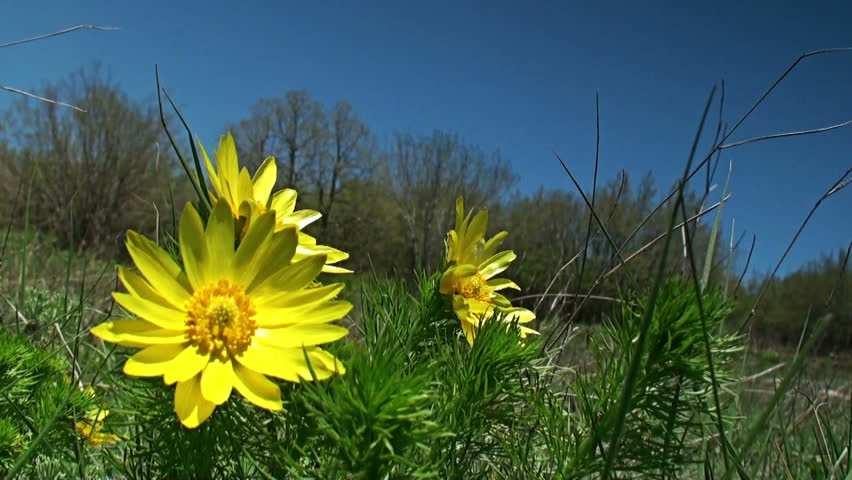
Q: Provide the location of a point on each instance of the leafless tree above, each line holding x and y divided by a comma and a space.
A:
429, 173
288, 128
89, 176
319, 150
348, 152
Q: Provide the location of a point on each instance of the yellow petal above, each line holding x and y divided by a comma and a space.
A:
300, 335
139, 287
264, 180
461, 308
477, 227
290, 363
527, 331
245, 188
158, 268
135, 332
291, 277
101, 438
496, 263
311, 314
452, 246
283, 364
459, 212
333, 255
299, 298
301, 218
306, 240
501, 283
333, 269
216, 191
220, 241
229, 196
94, 437
217, 380
190, 405
518, 314
274, 253
493, 244
231, 199
187, 364
471, 311
97, 415
500, 300
257, 389
152, 361
249, 259
469, 330
226, 159
193, 247
324, 363
155, 313
327, 312
284, 202
89, 392
478, 309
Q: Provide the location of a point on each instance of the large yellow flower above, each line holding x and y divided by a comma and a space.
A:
229, 317
251, 196
472, 264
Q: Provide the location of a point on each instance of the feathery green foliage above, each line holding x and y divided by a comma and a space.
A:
671, 406
418, 402
38, 405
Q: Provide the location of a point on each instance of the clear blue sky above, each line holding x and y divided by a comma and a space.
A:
519, 76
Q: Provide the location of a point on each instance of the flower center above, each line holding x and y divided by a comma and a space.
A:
220, 319
474, 286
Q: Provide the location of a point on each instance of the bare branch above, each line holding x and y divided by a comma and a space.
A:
40, 98
594, 191
555, 276
85, 26
591, 207
745, 268
736, 126
569, 295
785, 135
842, 181
664, 234
838, 187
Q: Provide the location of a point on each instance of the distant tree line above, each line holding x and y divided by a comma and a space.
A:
87, 177
84, 176
798, 300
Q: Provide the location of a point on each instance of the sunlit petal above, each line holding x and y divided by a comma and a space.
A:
190, 405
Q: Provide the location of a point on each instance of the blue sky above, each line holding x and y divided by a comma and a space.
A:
520, 77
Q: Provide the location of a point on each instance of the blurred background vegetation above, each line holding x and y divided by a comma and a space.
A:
82, 179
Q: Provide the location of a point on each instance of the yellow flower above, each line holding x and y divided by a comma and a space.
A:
229, 317
90, 427
249, 197
473, 263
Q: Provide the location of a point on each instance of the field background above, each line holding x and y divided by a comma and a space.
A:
82, 161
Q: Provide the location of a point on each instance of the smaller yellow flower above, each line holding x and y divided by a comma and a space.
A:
473, 263
90, 427
249, 197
